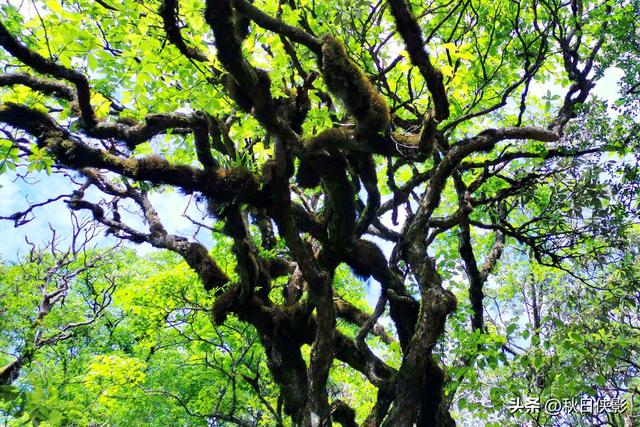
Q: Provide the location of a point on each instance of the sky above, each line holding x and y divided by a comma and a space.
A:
17, 194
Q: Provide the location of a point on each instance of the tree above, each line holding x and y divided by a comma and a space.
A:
50, 273
414, 144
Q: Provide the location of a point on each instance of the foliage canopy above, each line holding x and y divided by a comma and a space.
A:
444, 161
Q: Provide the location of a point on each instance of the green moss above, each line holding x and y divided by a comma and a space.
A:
328, 138
153, 163
347, 81
128, 121
427, 136
406, 139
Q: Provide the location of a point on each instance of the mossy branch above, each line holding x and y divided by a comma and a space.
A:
346, 80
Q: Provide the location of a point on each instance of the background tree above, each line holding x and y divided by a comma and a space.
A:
52, 273
419, 145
